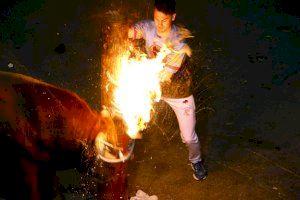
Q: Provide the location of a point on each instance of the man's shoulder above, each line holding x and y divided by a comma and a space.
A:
179, 35
146, 24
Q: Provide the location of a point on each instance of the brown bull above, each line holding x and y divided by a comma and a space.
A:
42, 128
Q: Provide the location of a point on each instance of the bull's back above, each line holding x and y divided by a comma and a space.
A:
22, 87
41, 111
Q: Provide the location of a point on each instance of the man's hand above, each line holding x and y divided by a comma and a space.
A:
131, 33
186, 49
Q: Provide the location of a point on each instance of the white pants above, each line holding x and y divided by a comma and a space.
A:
184, 109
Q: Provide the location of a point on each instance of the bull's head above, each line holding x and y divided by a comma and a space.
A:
113, 145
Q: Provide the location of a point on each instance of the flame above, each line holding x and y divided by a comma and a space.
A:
137, 88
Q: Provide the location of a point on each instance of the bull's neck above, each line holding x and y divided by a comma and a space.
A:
87, 127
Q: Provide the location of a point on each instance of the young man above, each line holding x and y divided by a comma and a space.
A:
176, 90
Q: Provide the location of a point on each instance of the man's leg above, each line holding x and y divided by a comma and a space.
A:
184, 109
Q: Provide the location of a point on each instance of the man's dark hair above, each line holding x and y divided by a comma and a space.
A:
165, 6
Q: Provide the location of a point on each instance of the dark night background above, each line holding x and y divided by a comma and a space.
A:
247, 89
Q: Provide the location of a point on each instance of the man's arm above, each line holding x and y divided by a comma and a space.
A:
174, 61
137, 31
134, 33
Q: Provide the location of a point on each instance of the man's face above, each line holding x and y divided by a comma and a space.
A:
163, 22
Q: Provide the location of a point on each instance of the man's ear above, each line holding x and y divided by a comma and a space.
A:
174, 17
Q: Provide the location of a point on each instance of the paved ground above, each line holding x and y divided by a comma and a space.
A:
247, 90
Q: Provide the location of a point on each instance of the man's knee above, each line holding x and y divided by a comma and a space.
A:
189, 141
189, 137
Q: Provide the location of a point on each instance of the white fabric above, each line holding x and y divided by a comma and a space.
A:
140, 195
184, 109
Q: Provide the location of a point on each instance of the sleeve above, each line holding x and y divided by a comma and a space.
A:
175, 59
139, 29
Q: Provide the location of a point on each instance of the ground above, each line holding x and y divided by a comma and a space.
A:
247, 91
